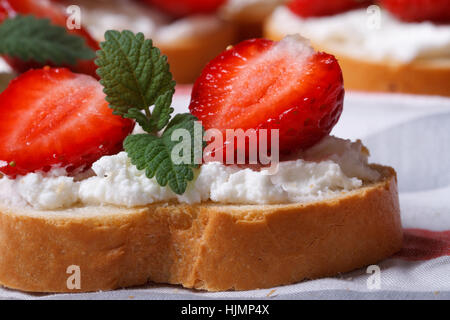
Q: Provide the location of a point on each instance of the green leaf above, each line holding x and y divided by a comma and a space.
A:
135, 145
140, 118
162, 111
135, 75
154, 154
33, 39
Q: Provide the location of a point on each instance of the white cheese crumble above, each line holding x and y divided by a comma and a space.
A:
39, 191
351, 33
332, 166
253, 10
100, 16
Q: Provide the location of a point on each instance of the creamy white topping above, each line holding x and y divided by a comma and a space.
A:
4, 67
356, 34
100, 16
186, 28
332, 166
6, 74
249, 9
42, 191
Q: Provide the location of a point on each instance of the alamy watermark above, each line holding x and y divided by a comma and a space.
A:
374, 281
373, 21
74, 280
73, 21
234, 146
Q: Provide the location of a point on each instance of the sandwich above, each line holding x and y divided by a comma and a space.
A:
395, 46
102, 187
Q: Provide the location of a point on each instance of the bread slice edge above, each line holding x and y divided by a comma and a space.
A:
206, 246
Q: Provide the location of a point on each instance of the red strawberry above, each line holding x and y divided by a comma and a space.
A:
5, 10
261, 84
317, 8
53, 117
54, 12
419, 10
181, 8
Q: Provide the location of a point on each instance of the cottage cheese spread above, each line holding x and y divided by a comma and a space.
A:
357, 34
250, 9
100, 16
6, 74
332, 166
4, 67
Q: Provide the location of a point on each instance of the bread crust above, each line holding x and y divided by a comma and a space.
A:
430, 76
207, 246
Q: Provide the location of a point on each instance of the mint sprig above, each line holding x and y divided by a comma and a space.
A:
34, 39
136, 76
154, 154
139, 85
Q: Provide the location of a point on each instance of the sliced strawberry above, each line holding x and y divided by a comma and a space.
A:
181, 8
57, 15
260, 84
317, 8
53, 117
419, 10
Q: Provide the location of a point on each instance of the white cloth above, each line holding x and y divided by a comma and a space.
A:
411, 133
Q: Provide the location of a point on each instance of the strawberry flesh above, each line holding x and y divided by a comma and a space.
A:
261, 84
53, 117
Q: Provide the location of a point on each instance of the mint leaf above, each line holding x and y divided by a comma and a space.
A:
140, 118
160, 117
136, 76
154, 154
162, 111
33, 39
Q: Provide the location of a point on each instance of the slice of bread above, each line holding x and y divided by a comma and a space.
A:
187, 54
207, 246
424, 76
188, 58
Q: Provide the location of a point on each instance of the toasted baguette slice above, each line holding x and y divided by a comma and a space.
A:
207, 246
188, 58
427, 76
187, 55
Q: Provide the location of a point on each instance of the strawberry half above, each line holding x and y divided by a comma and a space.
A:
57, 15
317, 8
419, 10
53, 117
261, 84
182, 8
